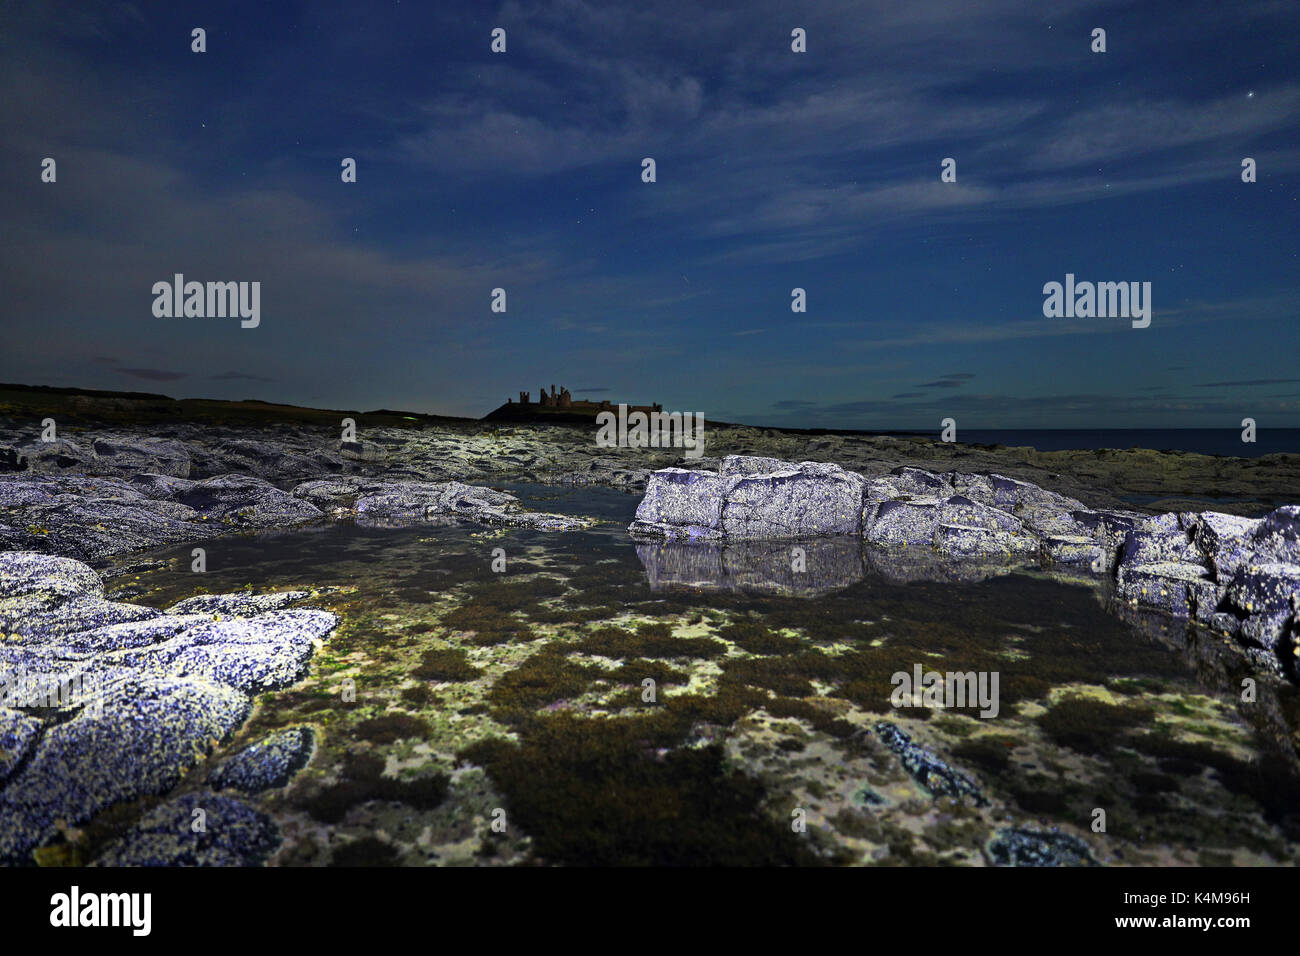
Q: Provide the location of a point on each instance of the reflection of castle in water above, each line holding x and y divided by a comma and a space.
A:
563, 399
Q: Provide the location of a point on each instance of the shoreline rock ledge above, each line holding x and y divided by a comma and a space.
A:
103, 703
1238, 576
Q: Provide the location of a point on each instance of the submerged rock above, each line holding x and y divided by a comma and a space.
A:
931, 772
1019, 847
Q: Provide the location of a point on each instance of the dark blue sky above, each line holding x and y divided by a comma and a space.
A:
775, 170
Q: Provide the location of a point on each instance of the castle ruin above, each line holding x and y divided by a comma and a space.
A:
563, 399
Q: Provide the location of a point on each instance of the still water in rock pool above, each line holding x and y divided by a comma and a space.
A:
601, 702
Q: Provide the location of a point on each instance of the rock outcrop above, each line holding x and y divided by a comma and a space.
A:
94, 518
388, 502
103, 703
1240, 576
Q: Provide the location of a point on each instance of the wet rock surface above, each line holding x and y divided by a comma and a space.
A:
105, 703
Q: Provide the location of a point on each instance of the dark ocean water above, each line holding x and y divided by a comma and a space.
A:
1205, 441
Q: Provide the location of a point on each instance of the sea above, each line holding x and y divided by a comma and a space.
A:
1204, 441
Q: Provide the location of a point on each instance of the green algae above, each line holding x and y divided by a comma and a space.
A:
649, 641
1090, 726
362, 780
366, 851
391, 727
534, 681
590, 795
446, 664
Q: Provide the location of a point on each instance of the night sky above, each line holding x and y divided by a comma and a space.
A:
775, 170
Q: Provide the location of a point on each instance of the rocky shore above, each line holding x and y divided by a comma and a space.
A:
129, 699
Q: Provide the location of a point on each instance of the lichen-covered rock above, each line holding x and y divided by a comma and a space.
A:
1226, 541
1032, 504
49, 617
119, 701
238, 604
94, 518
389, 503
253, 654
1177, 588
247, 501
24, 573
751, 498
90, 518
132, 457
1160, 540
805, 500
56, 456
970, 541
682, 503
128, 634
268, 764
197, 829
150, 731
1265, 596
1235, 574
1108, 529
362, 451
1067, 549
910, 523
750, 465
18, 732
1278, 535
919, 483
955, 525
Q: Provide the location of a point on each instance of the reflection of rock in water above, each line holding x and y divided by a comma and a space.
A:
828, 564
906, 566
